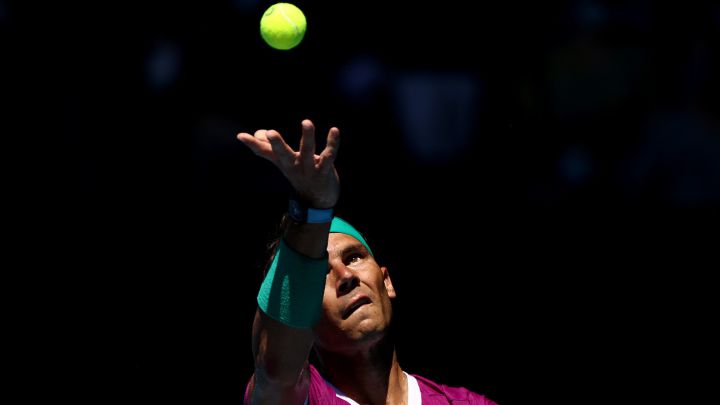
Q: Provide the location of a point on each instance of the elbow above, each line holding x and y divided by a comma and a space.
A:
278, 389
273, 374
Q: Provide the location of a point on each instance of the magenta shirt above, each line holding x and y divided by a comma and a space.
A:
431, 393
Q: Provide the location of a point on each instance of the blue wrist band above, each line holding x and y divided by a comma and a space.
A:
292, 291
318, 216
306, 215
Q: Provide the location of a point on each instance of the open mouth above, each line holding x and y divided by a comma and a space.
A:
354, 305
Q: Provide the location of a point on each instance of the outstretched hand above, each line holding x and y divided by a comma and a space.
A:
313, 176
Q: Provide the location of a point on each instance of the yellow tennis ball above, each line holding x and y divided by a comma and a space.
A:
283, 26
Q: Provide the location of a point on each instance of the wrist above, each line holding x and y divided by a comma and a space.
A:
305, 214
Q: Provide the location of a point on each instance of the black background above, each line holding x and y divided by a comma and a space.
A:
518, 274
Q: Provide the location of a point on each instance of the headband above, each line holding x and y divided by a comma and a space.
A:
339, 225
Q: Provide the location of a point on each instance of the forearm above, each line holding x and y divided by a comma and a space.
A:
281, 350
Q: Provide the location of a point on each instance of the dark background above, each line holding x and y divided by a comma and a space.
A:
542, 180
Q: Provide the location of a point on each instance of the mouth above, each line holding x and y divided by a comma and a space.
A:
354, 305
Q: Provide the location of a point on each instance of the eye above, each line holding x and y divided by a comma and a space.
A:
349, 259
352, 258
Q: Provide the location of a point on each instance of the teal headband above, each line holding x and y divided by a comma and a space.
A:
339, 225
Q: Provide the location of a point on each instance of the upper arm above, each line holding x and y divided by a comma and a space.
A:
281, 368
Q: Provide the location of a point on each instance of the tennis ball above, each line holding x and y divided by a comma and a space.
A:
283, 26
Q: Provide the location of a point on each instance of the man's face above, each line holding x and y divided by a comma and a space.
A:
356, 302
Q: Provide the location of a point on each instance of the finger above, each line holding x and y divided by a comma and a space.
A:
328, 155
260, 134
260, 148
284, 153
307, 142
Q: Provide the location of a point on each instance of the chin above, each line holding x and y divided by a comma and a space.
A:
367, 330
361, 329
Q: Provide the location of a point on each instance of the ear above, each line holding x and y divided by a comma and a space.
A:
388, 282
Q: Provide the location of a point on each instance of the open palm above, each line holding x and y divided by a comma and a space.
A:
313, 176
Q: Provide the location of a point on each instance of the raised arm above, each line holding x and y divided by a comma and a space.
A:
281, 351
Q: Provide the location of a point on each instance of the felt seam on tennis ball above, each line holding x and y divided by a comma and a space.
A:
285, 16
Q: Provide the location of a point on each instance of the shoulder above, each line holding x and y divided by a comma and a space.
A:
440, 393
320, 391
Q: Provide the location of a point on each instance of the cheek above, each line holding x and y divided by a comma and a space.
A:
328, 302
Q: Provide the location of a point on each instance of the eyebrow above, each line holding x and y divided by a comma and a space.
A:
351, 248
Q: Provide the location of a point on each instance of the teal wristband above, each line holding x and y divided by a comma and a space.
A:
292, 291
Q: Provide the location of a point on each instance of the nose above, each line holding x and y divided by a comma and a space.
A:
345, 280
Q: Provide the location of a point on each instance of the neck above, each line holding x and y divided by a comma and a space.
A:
369, 375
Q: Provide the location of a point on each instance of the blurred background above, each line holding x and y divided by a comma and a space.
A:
541, 178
